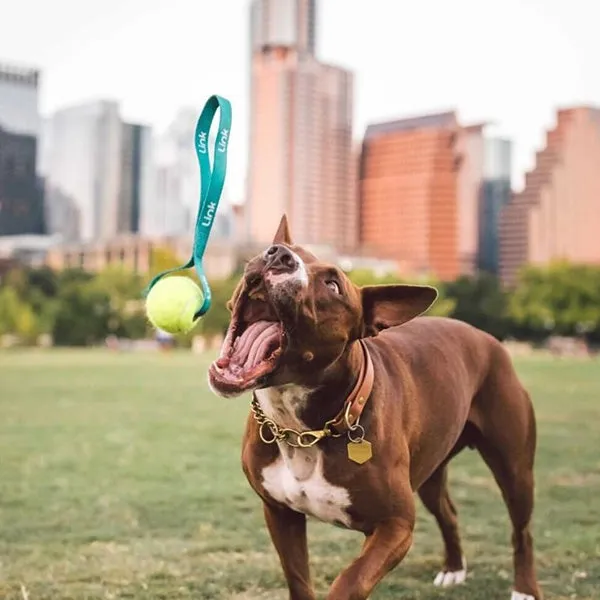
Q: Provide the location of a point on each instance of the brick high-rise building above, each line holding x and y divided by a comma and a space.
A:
301, 132
424, 195
409, 194
557, 215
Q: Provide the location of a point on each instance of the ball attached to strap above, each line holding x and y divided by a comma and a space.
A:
172, 304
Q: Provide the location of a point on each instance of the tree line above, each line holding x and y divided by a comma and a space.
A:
78, 308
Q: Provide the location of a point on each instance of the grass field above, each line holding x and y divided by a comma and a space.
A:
120, 478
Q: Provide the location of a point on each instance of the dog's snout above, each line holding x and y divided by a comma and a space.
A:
280, 259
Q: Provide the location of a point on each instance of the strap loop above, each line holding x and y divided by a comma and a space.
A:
211, 187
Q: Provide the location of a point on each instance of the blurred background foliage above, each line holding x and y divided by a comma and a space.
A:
77, 308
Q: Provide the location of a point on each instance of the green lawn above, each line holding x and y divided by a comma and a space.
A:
120, 478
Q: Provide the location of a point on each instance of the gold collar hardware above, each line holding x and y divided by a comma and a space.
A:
346, 421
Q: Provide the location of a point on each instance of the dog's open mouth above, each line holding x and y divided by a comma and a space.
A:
252, 347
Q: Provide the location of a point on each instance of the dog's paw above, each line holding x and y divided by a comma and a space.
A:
447, 578
520, 596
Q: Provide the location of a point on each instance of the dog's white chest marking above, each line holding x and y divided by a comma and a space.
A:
296, 477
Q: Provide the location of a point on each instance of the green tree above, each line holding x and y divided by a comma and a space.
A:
480, 301
41, 293
16, 279
84, 315
16, 316
562, 298
73, 275
124, 289
44, 280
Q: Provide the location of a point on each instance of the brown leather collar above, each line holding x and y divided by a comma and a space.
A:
356, 401
345, 421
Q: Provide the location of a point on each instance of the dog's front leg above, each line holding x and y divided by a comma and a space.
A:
288, 533
382, 551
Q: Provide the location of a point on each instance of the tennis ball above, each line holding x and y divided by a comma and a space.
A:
172, 303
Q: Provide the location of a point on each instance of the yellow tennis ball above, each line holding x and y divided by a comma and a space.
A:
172, 303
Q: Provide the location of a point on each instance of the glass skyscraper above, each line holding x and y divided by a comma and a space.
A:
21, 193
495, 194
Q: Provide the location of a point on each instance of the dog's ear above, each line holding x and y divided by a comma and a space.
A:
388, 305
283, 235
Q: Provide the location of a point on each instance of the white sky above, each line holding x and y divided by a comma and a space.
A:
507, 61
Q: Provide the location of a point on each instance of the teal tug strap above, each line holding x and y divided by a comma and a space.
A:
211, 187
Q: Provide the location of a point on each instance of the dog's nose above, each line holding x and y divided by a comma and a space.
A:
278, 258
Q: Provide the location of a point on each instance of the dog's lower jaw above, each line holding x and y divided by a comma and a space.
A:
225, 389
221, 391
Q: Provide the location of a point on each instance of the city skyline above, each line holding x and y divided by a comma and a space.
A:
538, 57
438, 182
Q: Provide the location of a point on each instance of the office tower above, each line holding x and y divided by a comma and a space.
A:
495, 194
283, 24
471, 155
136, 177
430, 194
21, 192
97, 170
557, 214
300, 159
83, 170
409, 194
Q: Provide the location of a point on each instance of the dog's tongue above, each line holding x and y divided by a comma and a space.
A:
252, 346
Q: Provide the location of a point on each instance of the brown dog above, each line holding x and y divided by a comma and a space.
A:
357, 404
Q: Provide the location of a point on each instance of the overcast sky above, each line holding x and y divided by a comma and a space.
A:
508, 61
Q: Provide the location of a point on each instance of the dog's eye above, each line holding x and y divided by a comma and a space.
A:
333, 286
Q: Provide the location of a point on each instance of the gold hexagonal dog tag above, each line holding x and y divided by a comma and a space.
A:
360, 452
